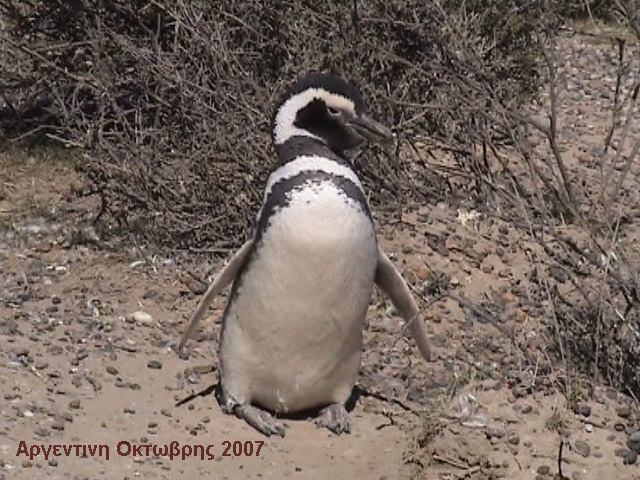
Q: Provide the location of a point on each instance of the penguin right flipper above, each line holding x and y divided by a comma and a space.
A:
390, 281
226, 276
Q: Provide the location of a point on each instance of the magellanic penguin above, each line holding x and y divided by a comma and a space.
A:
292, 330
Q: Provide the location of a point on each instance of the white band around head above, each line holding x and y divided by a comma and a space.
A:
284, 127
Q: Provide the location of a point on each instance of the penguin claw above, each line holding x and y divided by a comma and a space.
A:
261, 420
336, 418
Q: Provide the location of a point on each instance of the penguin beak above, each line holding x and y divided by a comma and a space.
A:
371, 130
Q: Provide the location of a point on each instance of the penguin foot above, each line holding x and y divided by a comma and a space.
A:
260, 419
336, 418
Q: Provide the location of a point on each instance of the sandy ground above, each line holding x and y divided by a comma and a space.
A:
77, 367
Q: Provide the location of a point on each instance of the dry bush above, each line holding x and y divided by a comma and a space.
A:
172, 99
590, 276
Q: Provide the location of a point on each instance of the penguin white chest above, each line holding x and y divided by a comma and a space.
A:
292, 334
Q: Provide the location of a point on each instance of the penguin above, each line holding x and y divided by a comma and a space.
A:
292, 330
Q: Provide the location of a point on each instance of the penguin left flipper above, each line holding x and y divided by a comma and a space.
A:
226, 276
390, 281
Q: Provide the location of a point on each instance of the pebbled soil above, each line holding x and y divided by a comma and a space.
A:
88, 326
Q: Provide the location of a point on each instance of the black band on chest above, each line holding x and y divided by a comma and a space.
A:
281, 194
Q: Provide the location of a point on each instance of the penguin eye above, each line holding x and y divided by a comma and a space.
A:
333, 112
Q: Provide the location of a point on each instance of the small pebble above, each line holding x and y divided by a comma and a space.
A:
620, 452
150, 294
494, 432
141, 317
58, 424
584, 409
514, 440
630, 457
583, 448
543, 469
624, 411
155, 364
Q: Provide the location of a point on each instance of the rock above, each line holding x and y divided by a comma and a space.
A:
584, 409
633, 445
494, 432
41, 365
112, 370
149, 294
543, 470
42, 432
22, 352
58, 424
519, 392
635, 437
74, 404
154, 364
514, 439
142, 318
583, 448
619, 427
630, 457
559, 274
487, 268
624, 411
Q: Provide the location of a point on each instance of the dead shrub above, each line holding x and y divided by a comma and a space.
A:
171, 100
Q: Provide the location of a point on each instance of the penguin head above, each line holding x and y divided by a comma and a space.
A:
325, 107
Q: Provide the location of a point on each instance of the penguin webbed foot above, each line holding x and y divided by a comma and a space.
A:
334, 417
260, 419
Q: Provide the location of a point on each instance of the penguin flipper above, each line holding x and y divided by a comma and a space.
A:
226, 276
389, 280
